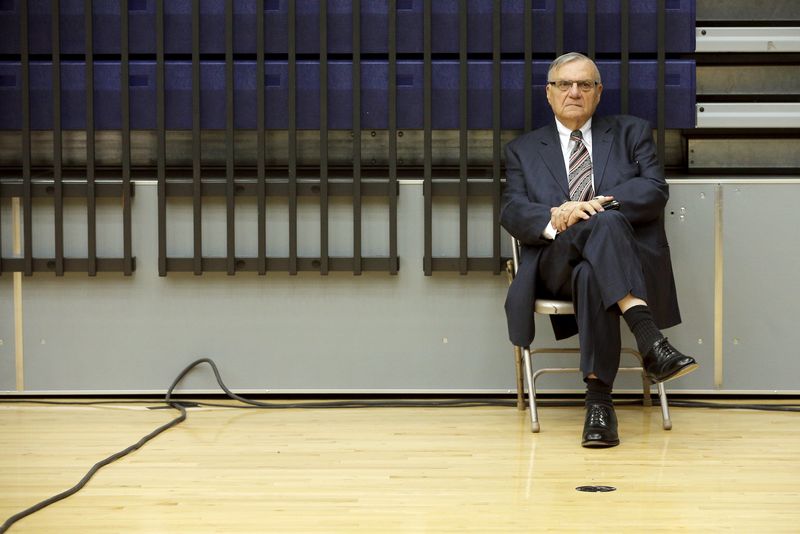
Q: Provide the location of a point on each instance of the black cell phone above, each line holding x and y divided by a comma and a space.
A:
610, 205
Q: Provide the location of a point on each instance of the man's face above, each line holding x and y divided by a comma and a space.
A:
573, 107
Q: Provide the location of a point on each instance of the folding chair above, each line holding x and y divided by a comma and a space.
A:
523, 356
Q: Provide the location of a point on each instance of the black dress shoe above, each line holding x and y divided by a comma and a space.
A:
600, 427
664, 362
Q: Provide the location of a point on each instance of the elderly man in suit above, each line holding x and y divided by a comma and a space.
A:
608, 262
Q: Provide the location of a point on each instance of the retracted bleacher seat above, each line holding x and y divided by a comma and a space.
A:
106, 26
680, 18
178, 26
73, 96
680, 26
679, 22
680, 94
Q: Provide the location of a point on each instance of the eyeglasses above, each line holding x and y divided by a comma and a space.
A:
566, 85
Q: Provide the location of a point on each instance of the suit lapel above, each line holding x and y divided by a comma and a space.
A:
602, 139
554, 159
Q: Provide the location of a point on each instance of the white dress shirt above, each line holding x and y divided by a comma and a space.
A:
567, 145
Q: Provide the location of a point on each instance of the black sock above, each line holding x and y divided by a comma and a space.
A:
644, 329
598, 391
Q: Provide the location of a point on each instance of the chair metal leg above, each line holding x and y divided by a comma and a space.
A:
529, 378
646, 400
531, 390
662, 396
520, 378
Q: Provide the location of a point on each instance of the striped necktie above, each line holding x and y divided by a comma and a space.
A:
580, 169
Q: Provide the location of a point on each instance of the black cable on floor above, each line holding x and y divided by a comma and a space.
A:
450, 403
95, 468
113, 458
74, 403
181, 407
726, 406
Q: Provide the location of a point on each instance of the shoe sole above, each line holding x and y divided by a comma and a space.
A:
599, 444
685, 370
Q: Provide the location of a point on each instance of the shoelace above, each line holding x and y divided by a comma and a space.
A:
668, 349
598, 415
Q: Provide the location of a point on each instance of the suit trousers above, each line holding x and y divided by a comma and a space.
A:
594, 263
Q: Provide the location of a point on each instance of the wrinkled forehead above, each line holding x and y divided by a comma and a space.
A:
579, 69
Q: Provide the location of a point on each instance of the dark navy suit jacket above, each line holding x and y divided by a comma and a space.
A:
625, 165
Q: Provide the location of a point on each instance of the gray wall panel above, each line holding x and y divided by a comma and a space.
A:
690, 230
762, 254
306, 332
7, 358
372, 332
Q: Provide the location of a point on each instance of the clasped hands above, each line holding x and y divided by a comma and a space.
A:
573, 211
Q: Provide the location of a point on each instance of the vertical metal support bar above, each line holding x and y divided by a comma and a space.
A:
230, 155
58, 190
496, 144
463, 118
624, 72
261, 186
161, 157
528, 70
127, 254
197, 180
292, 47
559, 27
91, 201
662, 63
27, 240
591, 34
393, 261
356, 137
719, 287
427, 188
323, 137
19, 338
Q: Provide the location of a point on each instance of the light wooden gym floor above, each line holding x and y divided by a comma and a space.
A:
399, 470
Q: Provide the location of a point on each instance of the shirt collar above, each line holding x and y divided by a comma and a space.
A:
564, 132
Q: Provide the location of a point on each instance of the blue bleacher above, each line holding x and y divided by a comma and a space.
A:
680, 26
680, 94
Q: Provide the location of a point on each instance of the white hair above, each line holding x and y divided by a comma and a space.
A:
568, 58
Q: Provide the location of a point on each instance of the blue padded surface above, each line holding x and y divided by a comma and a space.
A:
679, 94
178, 26
680, 26
679, 35
106, 27
107, 107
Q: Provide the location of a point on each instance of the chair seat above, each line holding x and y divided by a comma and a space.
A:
553, 307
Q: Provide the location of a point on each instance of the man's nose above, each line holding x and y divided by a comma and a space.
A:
574, 91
